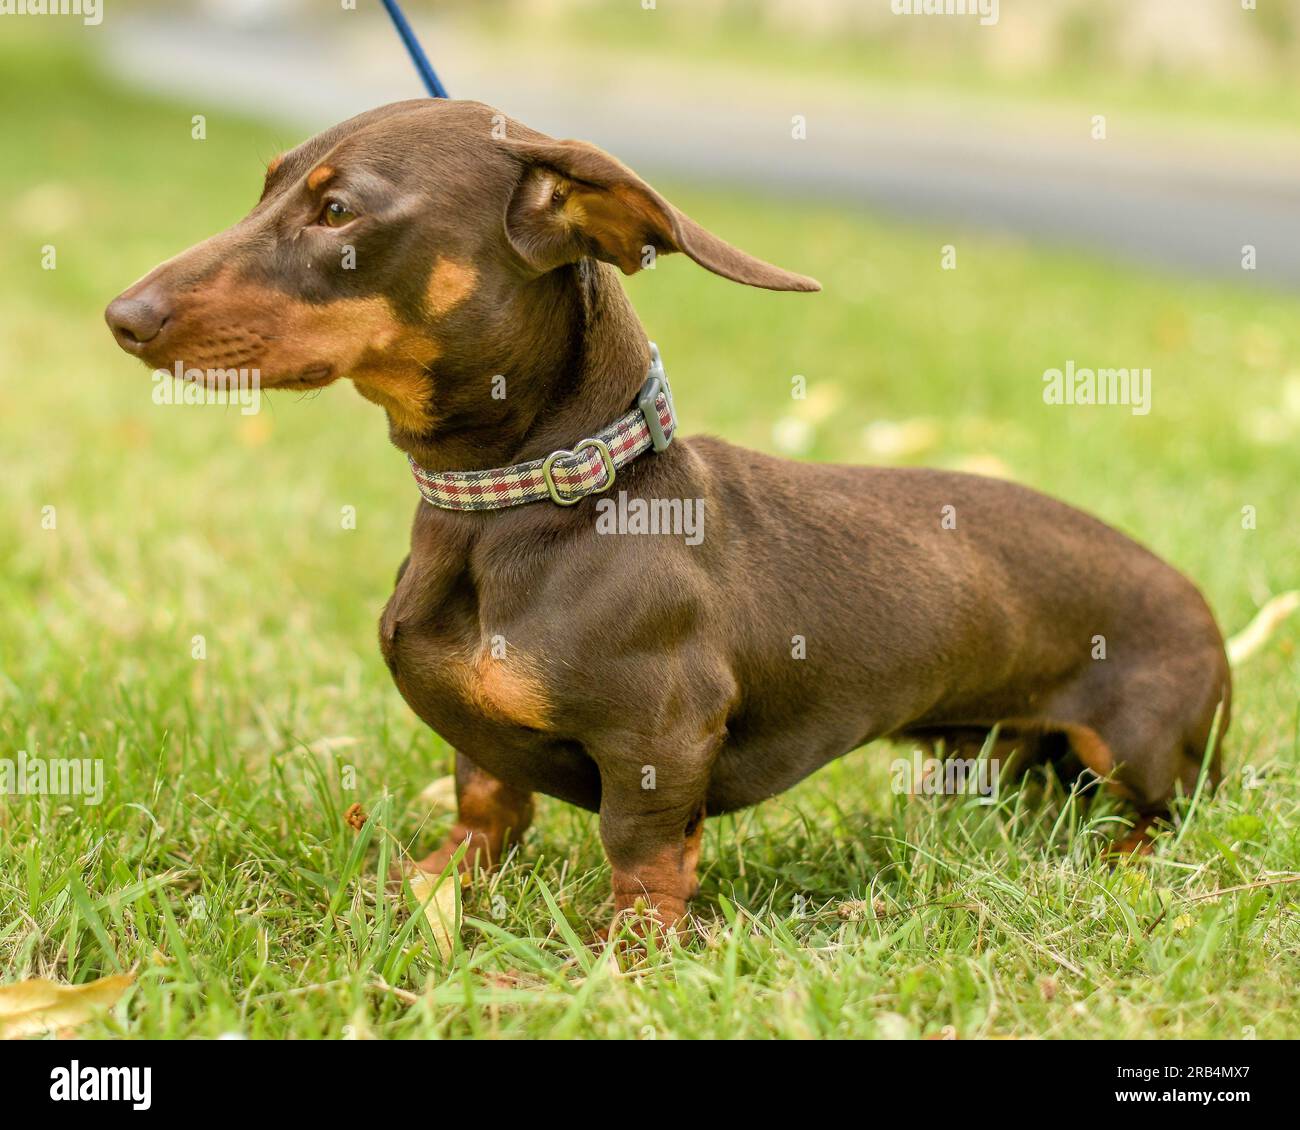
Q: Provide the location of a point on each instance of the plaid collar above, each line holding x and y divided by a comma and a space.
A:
564, 476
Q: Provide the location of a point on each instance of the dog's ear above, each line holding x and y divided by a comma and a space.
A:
575, 200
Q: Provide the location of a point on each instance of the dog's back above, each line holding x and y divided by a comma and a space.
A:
931, 601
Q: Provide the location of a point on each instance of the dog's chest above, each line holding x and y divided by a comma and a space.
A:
458, 677
460, 680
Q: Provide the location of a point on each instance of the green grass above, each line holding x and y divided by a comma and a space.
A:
219, 862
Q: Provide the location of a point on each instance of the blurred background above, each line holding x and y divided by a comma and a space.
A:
1108, 183
940, 117
982, 202
1083, 181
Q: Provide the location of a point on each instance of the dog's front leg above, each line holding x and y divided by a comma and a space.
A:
651, 829
491, 815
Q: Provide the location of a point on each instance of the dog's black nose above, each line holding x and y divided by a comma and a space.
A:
136, 321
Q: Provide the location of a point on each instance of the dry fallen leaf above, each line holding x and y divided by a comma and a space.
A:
439, 902
355, 817
30, 1008
1260, 630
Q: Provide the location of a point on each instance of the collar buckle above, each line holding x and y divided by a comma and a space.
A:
655, 383
548, 471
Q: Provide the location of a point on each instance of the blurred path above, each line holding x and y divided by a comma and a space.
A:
1187, 202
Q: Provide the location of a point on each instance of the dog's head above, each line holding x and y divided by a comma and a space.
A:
391, 237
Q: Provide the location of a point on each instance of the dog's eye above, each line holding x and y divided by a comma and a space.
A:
337, 214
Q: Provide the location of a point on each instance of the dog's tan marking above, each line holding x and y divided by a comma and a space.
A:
496, 809
1140, 840
402, 392
691, 855
361, 338
393, 375
450, 282
1091, 749
319, 175
619, 221
505, 689
659, 885
491, 816
274, 164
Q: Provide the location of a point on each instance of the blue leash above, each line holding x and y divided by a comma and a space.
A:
431, 81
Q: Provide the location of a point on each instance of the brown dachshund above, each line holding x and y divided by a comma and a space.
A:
454, 265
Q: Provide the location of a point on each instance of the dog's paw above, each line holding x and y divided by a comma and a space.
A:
642, 921
1138, 841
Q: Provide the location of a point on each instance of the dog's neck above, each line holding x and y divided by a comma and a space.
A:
571, 359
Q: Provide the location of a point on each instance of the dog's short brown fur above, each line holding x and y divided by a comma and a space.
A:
479, 254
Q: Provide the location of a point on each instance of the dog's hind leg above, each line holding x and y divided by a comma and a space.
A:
1155, 722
